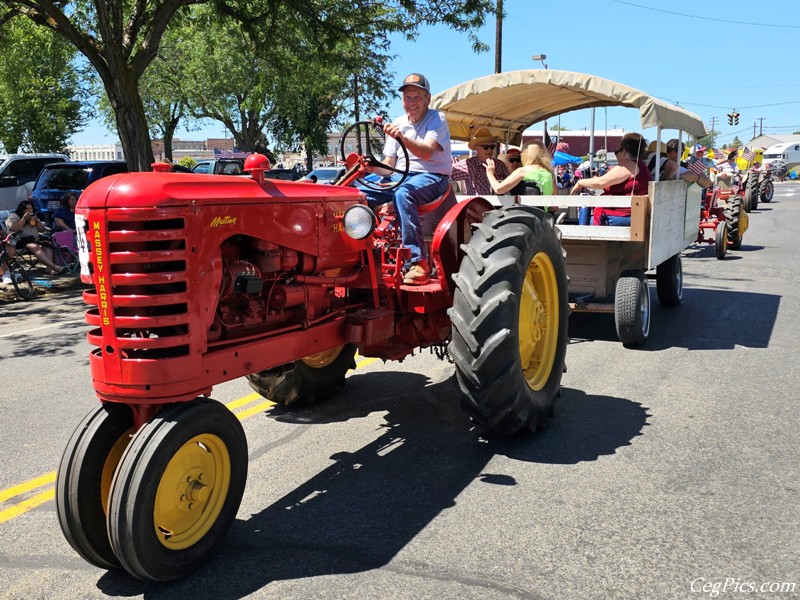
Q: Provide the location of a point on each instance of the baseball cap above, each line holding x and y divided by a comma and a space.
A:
417, 80
699, 148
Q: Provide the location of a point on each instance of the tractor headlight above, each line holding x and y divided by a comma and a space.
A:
358, 221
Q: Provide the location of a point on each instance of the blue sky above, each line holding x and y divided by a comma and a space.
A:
709, 57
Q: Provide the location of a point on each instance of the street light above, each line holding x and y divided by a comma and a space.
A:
540, 57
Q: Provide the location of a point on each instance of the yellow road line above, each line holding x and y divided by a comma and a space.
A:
48, 478
30, 503
27, 486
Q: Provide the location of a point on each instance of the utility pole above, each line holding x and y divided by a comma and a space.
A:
754, 130
713, 129
761, 125
498, 38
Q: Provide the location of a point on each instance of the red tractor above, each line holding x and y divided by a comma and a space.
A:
723, 220
200, 279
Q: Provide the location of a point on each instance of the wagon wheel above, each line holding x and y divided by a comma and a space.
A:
721, 240
177, 490
84, 481
632, 308
509, 318
308, 380
669, 281
733, 217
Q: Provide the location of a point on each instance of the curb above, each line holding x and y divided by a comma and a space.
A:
43, 285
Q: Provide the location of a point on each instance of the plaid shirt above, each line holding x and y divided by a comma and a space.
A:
473, 173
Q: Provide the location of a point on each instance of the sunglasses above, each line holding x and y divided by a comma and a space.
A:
515, 160
488, 147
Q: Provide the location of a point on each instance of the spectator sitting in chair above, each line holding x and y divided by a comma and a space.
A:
64, 217
28, 229
473, 170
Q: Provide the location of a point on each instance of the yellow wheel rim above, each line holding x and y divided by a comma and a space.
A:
322, 359
110, 466
538, 321
192, 491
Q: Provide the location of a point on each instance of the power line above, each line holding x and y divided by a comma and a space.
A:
672, 12
681, 103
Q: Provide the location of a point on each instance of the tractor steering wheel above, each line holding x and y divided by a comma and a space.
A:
368, 137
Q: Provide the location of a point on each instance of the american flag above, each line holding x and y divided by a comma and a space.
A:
748, 154
718, 153
698, 167
548, 141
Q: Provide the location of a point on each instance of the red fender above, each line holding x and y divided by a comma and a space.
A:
455, 229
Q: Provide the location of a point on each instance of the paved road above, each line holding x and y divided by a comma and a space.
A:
665, 469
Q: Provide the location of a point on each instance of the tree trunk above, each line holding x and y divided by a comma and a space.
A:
134, 134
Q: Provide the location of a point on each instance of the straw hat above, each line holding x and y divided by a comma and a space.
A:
482, 137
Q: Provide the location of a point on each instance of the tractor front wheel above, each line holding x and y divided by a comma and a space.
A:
721, 240
308, 380
766, 191
84, 481
177, 490
510, 316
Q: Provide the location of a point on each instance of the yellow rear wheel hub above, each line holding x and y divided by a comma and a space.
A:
538, 321
322, 359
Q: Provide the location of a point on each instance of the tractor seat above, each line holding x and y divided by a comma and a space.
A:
434, 204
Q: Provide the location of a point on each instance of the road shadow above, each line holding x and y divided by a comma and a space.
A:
64, 339
706, 319
361, 511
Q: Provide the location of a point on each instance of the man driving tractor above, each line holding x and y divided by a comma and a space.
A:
427, 137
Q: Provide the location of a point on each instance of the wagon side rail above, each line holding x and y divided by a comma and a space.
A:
665, 220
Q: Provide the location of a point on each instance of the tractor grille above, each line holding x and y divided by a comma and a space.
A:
143, 313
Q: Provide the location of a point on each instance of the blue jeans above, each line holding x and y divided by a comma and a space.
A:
416, 190
615, 221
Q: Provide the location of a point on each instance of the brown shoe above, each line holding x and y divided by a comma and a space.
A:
418, 274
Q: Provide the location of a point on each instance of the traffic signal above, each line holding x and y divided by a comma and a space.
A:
736, 118
730, 118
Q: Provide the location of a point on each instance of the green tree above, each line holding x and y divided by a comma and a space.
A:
736, 143
120, 38
42, 89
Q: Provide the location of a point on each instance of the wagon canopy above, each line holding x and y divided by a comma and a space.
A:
509, 103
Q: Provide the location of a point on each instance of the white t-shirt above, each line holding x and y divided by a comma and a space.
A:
433, 126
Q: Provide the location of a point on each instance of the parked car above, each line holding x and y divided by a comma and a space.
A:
220, 166
59, 178
283, 174
326, 174
18, 173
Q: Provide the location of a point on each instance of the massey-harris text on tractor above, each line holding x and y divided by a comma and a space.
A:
201, 279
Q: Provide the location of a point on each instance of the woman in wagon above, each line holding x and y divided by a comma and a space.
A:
535, 169
629, 177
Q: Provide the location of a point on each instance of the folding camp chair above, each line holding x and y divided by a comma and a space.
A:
65, 250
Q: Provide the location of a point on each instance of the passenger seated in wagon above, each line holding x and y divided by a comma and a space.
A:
628, 178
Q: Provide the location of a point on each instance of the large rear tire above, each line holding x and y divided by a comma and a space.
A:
632, 308
510, 317
669, 281
84, 481
177, 490
307, 381
751, 192
733, 212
